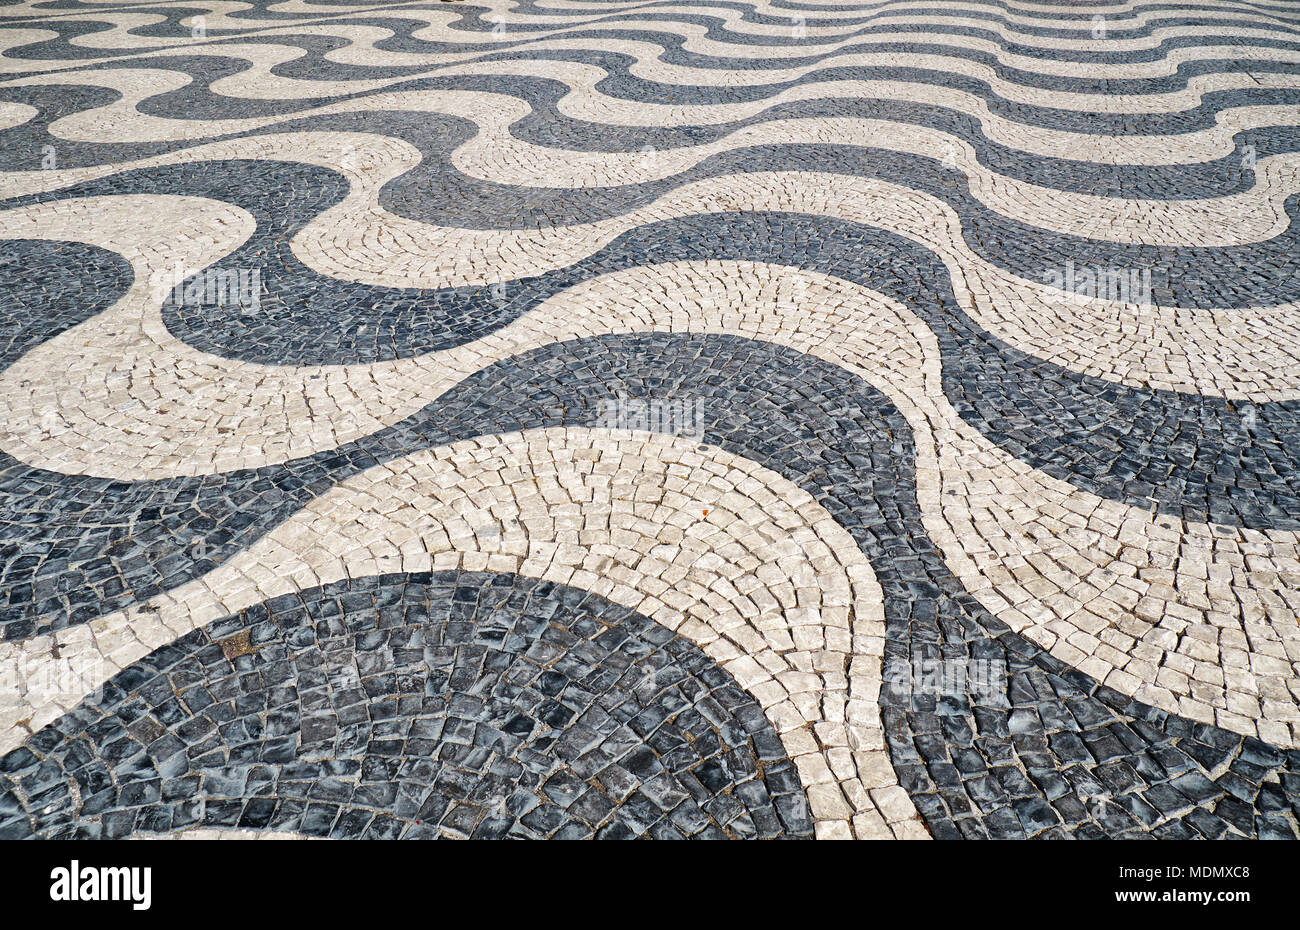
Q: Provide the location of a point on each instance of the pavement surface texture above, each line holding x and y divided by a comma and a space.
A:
664, 419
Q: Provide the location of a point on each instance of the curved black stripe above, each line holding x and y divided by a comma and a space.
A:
403, 40
25, 144
1231, 464
48, 287
415, 706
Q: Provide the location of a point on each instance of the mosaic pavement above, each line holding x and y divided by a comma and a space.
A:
685, 418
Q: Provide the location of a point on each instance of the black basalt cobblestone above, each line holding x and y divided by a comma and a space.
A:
415, 706
48, 287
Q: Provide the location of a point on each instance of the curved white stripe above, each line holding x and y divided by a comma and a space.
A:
442, 27
1011, 11
1196, 619
139, 403
260, 82
1136, 622
122, 121
15, 114
361, 51
1120, 12
217, 13
715, 547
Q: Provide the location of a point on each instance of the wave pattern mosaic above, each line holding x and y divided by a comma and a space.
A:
684, 418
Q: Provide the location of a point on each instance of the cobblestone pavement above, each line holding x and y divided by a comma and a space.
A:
684, 418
